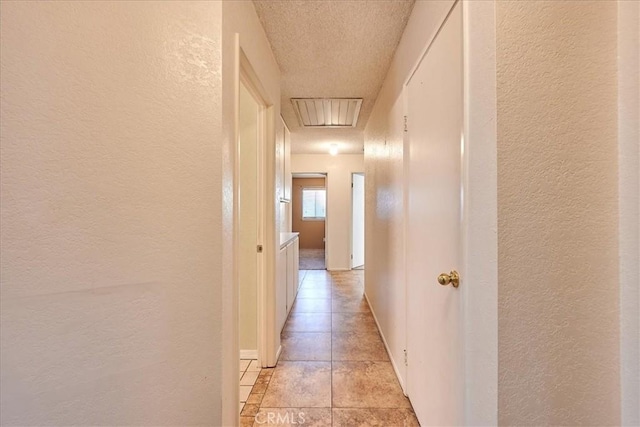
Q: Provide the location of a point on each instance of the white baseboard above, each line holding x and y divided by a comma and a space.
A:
386, 346
278, 354
338, 269
248, 354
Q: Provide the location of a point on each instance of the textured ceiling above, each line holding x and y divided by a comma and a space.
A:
332, 49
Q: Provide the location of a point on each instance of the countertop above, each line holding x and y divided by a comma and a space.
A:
286, 238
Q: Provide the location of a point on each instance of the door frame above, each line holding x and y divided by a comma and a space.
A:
479, 269
325, 175
351, 267
459, 358
480, 214
266, 213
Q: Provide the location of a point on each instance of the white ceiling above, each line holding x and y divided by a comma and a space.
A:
332, 49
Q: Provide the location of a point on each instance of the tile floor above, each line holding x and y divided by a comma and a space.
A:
249, 373
333, 369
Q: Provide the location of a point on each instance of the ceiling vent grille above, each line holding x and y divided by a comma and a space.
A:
327, 112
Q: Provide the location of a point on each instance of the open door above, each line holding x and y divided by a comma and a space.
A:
435, 124
357, 221
249, 141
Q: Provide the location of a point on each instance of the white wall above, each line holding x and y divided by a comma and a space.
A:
629, 206
558, 299
384, 182
111, 213
338, 169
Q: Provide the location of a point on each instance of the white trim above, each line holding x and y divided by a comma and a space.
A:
479, 270
355, 267
386, 346
248, 354
231, 330
629, 208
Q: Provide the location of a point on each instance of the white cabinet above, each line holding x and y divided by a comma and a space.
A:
287, 279
292, 272
281, 289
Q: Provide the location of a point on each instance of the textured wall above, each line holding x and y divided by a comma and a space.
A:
111, 203
629, 205
384, 183
338, 169
557, 213
311, 232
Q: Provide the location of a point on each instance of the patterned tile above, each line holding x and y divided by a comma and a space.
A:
299, 385
294, 417
312, 305
334, 368
353, 322
356, 304
306, 346
366, 385
308, 322
374, 417
358, 346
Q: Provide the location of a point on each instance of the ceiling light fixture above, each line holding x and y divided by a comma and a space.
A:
333, 149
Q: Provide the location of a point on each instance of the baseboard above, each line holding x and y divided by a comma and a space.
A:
386, 346
278, 354
248, 354
338, 269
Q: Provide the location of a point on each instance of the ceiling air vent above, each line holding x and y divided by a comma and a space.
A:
327, 112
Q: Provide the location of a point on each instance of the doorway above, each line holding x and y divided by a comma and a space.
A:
309, 218
248, 202
254, 228
357, 221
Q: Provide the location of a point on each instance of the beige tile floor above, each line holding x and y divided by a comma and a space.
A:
333, 369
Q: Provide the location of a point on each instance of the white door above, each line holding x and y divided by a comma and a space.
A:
357, 228
435, 120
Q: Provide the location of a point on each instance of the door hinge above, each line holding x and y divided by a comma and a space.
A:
351, 256
259, 249
406, 360
406, 126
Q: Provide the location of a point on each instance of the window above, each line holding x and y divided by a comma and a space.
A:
314, 204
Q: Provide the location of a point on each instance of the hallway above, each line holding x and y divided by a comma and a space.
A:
333, 369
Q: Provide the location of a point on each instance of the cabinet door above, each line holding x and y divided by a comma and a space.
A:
291, 285
281, 289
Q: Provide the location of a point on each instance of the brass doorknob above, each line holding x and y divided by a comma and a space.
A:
453, 277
